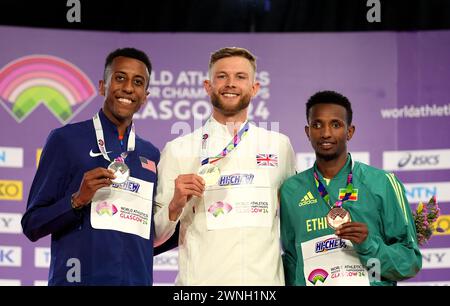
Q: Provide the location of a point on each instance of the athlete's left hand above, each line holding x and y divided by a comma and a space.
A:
356, 232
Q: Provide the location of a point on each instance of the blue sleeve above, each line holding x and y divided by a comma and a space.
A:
48, 208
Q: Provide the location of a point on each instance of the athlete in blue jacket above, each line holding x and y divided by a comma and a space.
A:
94, 187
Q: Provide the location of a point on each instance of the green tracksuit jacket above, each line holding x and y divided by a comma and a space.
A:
380, 203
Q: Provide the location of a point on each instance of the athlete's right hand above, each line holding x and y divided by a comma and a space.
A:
92, 181
186, 186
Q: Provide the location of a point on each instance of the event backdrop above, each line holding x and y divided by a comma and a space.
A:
398, 84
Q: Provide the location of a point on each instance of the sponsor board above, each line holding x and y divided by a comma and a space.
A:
42, 257
430, 283
10, 223
38, 156
443, 223
10, 256
40, 283
167, 261
416, 160
435, 258
11, 157
10, 282
422, 192
11, 190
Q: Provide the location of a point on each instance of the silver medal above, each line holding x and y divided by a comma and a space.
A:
121, 171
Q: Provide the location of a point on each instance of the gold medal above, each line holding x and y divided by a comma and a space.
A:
210, 173
337, 216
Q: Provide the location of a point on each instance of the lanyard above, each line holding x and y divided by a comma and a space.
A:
324, 193
101, 140
205, 159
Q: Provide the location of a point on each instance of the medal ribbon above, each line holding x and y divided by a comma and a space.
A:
102, 144
324, 193
228, 148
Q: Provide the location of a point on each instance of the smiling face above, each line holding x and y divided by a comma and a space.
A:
328, 131
231, 86
125, 89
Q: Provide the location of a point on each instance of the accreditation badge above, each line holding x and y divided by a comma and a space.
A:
332, 261
125, 207
240, 199
337, 216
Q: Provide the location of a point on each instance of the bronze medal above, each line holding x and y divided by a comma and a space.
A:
337, 216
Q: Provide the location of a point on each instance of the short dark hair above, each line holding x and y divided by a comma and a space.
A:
127, 52
330, 97
232, 51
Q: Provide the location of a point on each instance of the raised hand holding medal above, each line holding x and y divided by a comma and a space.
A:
92, 181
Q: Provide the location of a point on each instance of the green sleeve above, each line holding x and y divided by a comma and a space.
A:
293, 271
396, 247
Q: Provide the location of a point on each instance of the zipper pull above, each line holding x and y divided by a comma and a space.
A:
121, 141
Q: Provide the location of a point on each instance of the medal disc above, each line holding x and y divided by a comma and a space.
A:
121, 171
210, 174
337, 216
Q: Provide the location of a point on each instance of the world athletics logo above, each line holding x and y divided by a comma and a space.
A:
219, 208
317, 275
105, 208
29, 81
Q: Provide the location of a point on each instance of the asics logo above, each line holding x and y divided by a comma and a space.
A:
92, 154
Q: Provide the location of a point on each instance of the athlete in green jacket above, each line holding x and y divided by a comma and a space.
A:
379, 245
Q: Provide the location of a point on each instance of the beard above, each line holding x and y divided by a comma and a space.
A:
327, 157
339, 150
228, 109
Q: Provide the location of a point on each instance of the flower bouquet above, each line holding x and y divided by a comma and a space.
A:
424, 218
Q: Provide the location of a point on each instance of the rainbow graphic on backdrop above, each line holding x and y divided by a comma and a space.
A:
29, 81
317, 275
